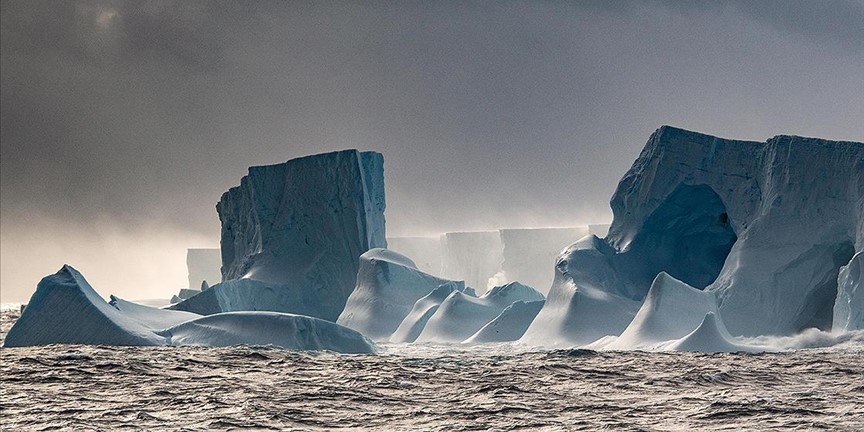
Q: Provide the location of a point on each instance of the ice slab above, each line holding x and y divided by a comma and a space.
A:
302, 225
849, 305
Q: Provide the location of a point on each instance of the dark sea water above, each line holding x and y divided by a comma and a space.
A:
497, 387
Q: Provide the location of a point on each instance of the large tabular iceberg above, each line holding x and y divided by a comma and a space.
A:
388, 285
298, 228
474, 257
764, 226
66, 310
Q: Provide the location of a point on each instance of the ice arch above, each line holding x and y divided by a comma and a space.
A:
689, 235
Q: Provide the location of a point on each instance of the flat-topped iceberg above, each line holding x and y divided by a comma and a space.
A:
66, 310
765, 227
301, 226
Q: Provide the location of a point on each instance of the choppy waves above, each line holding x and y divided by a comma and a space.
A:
497, 387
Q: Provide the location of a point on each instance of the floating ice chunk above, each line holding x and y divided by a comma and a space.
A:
710, 336
65, 309
423, 309
460, 315
670, 311
510, 324
849, 306
388, 286
288, 331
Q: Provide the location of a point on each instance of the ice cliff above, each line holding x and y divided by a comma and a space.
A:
65, 309
301, 225
763, 226
474, 257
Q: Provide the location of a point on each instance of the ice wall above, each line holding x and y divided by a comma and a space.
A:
849, 305
765, 226
424, 251
303, 224
529, 254
474, 257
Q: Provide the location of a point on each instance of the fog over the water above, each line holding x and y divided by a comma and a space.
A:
123, 122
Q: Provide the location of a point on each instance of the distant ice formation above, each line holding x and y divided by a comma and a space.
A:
203, 264
474, 257
66, 310
727, 217
529, 254
388, 286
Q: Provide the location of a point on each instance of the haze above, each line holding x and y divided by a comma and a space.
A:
123, 122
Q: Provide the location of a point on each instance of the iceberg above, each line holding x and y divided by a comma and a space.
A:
460, 315
711, 336
671, 310
583, 304
203, 265
289, 331
529, 254
474, 257
65, 309
727, 217
424, 251
509, 325
302, 225
388, 286
849, 305
410, 327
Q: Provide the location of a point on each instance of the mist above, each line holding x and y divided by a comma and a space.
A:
121, 123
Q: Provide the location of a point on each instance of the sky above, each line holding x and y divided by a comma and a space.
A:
121, 123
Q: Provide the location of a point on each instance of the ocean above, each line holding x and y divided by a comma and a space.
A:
415, 387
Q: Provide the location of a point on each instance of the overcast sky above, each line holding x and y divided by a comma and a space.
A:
123, 122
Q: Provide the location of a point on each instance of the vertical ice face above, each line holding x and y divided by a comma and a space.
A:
474, 257
304, 223
849, 305
529, 254
203, 265
765, 226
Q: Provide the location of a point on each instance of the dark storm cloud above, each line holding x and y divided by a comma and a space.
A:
140, 114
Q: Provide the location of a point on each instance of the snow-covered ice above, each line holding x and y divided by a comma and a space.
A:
423, 309
509, 325
388, 286
461, 315
66, 310
424, 251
